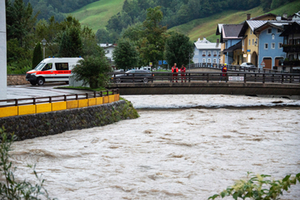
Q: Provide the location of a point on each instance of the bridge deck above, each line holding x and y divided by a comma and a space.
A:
203, 87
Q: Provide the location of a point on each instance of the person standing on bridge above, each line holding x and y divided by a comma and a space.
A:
175, 73
182, 70
224, 70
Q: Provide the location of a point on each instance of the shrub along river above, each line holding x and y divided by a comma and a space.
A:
181, 147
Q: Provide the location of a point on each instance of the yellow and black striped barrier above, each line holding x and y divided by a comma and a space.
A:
27, 106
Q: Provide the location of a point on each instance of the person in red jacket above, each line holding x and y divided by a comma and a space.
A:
182, 70
224, 70
175, 73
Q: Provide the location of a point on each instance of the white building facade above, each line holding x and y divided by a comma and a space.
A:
207, 52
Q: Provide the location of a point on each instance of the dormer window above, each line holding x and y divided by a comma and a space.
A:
209, 53
215, 53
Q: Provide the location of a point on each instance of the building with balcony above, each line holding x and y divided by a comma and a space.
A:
291, 45
206, 52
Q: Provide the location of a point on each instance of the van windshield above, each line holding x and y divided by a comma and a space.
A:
39, 67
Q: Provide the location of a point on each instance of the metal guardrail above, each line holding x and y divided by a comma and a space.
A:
51, 99
206, 76
231, 68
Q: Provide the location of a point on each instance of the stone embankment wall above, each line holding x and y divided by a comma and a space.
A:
43, 124
16, 80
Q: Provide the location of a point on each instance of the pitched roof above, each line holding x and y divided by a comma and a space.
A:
278, 25
231, 31
219, 29
252, 24
205, 44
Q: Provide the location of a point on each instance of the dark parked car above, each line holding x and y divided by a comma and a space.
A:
134, 75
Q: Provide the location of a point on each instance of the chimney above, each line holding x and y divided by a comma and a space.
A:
284, 15
278, 18
248, 16
218, 41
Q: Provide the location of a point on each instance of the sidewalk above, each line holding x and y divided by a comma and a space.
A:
29, 91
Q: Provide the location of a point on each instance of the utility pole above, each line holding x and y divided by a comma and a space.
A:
3, 51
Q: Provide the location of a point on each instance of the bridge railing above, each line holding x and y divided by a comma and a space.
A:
121, 77
24, 106
231, 68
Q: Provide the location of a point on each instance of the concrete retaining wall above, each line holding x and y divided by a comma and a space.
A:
16, 80
43, 124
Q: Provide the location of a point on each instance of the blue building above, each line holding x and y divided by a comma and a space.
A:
230, 42
270, 44
206, 52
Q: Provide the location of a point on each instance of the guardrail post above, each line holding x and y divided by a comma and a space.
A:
65, 98
76, 96
95, 94
16, 102
272, 78
207, 78
189, 77
282, 77
245, 78
264, 77
50, 99
33, 101
86, 95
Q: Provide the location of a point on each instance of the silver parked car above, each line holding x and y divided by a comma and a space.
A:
248, 65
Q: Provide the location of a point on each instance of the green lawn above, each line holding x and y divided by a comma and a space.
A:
97, 14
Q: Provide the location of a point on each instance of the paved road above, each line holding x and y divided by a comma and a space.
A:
29, 91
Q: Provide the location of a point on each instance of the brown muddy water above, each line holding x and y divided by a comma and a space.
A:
170, 152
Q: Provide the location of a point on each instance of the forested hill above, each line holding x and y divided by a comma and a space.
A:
175, 12
56, 8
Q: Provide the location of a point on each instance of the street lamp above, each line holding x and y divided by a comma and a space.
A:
44, 42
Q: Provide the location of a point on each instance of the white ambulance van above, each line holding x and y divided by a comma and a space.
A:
52, 70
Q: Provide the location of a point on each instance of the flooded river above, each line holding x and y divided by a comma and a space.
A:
181, 147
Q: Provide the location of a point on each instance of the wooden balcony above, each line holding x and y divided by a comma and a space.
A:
291, 48
291, 63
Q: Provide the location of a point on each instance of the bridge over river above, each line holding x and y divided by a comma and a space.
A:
238, 83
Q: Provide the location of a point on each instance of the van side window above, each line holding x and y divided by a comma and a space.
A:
47, 66
62, 66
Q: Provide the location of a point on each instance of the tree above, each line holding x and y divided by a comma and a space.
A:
125, 55
37, 55
71, 43
179, 49
93, 70
155, 36
20, 22
102, 36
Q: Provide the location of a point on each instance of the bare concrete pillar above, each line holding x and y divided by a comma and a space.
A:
3, 58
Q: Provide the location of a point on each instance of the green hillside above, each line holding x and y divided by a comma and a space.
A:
206, 27
97, 14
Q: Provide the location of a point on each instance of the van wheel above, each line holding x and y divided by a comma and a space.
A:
40, 81
33, 82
